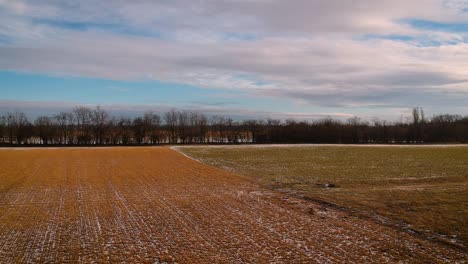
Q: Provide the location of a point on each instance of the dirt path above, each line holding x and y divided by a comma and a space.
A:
153, 205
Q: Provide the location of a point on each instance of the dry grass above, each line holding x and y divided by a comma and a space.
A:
153, 205
426, 187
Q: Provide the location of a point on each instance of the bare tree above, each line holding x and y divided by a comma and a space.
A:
152, 123
202, 124
254, 128
2, 129
45, 128
10, 121
182, 124
197, 128
418, 124
171, 122
17, 126
86, 126
124, 126
83, 118
100, 119
354, 124
416, 115
64, 122
139, 130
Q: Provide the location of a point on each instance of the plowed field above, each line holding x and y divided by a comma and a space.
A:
154, 205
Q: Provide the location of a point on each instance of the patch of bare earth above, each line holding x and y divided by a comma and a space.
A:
154, 205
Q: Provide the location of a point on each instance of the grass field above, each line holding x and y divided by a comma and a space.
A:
153, 205
425, 187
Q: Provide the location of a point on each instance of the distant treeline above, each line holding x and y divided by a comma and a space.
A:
86, 126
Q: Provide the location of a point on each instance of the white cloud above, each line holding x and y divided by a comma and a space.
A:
308, 51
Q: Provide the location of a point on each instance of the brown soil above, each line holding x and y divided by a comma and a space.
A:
154, 205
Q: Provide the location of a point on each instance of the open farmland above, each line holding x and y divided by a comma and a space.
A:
418, 188
154, 205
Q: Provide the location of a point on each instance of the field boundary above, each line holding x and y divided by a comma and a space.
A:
213, 145
320, 145
178, 150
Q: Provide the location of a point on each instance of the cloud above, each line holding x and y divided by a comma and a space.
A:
244, 15
312, 52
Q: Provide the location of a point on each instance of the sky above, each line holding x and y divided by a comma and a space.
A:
299, 59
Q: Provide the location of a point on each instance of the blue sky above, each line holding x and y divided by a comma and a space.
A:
439, 26
29, 87
69, 92
245, 59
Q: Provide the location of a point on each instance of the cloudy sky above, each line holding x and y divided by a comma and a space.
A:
297, 58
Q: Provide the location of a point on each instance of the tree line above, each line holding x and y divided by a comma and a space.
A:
95, 126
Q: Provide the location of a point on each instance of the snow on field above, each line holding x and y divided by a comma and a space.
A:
153, 205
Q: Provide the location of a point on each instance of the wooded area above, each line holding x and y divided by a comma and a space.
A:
86, 126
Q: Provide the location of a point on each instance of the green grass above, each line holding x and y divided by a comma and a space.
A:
426, 187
